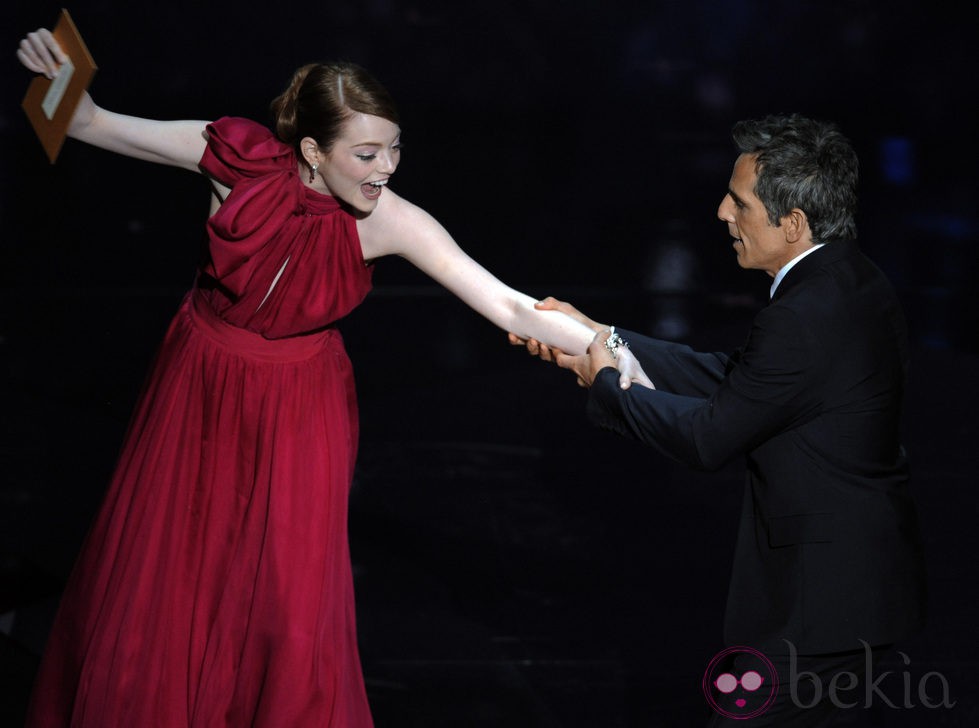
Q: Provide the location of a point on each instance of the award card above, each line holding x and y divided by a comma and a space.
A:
50, 103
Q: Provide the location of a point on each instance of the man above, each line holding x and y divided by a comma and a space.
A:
828, 556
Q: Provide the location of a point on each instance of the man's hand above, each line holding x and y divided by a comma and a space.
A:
587, 366
546, 353
552, 304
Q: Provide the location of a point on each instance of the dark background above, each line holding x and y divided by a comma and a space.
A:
514, 566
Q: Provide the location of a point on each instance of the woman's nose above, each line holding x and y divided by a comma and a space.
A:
387, 163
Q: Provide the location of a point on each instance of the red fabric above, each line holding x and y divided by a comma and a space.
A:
270, 218
214, 588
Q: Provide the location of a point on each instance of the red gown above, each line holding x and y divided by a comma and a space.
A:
214, 588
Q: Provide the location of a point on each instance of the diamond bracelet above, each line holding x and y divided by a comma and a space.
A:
613, 342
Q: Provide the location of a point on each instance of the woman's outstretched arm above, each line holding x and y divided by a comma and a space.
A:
175, 143
398, 227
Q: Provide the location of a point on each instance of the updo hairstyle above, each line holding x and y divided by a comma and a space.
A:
321, 96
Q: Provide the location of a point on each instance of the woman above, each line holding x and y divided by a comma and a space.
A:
214, 588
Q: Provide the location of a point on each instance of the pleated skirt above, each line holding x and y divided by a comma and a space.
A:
214, 587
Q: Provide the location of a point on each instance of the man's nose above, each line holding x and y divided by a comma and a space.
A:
725, 209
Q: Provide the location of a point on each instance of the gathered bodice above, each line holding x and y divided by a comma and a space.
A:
282, 259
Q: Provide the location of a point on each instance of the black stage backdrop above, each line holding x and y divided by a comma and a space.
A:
513, 565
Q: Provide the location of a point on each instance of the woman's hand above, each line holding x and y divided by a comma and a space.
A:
587, 366
630, 370
40, 52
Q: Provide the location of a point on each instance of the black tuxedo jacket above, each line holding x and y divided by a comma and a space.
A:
828, 551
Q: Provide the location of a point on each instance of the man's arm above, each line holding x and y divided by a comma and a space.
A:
773, 386
671, 367
676, 367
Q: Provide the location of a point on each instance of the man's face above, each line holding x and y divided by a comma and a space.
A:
759, 244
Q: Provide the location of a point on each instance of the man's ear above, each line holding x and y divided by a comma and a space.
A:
796, 226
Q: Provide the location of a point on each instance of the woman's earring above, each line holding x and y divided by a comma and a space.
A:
312, 172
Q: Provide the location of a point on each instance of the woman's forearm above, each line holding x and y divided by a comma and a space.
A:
553, 328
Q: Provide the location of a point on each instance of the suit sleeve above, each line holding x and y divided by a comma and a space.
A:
772, 386
676, 367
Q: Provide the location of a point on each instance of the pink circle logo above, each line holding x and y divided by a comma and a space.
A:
740, 683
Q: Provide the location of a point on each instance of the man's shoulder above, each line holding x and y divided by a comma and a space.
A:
837, 272
843, 297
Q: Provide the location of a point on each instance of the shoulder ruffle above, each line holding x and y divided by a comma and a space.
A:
265, 193
240, 149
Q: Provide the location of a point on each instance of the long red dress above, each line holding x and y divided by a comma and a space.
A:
215, 588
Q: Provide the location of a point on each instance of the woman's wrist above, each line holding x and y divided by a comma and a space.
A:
614, 343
